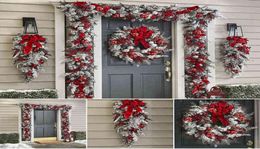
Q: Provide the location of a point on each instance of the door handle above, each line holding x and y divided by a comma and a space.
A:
250, 143
168, 71
55, 125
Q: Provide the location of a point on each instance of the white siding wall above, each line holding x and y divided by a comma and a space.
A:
10, 25
243, 12
101, 132
9, 111
9, 118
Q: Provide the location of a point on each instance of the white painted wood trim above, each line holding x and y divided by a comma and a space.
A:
257, 124
211, 50
173, 124
86, 103
173, 71
20, 124
178, 67
59, 53
98, 57
70, 119
58, 125
32, 125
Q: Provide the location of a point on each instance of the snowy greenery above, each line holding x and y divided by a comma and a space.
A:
42, 93
241, 91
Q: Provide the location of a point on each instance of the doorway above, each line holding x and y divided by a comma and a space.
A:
45, 125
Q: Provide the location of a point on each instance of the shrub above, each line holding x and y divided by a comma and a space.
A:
9, 138
43, 93
241, 91
79, 135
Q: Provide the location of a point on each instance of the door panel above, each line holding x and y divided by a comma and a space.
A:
129, 81
185, 141
44, 123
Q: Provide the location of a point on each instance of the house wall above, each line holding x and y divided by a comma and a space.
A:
10, 25
9, 118
101, 132
9, 111
242, 12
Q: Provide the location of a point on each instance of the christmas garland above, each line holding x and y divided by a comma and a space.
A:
79, 53
217, 122
130, 119
236, 53
138, 44
27, 119
30, 53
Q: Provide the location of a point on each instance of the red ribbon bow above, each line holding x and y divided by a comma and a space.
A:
132, 107
32, 43
140, 35
218, 111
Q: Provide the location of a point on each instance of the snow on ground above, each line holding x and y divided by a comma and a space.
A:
14, 146
81, 141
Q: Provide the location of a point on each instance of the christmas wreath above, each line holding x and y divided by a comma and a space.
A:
130, 119
236, 53
138, 44
218, 122
30, 53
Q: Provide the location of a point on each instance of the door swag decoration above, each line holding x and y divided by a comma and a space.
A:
138, 45
130, 119
79, 53
218, 122
27, 110
235, 53
30, 53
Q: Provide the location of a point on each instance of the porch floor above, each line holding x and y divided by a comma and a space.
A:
59, 145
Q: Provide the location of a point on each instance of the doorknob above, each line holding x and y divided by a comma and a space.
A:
55, 125
249, 143
168, 71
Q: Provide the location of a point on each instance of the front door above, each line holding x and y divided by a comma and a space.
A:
45, 122
185, 141
129, 81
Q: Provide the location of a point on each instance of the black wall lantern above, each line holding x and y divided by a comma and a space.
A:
30, 26
232, 29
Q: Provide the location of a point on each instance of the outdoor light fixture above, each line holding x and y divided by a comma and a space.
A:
30, 26
232, 29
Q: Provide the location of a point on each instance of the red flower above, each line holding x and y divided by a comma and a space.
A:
105, 9
193, 8
187, 119
79, 4
168, 13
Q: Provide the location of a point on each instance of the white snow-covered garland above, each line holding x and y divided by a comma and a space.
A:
218, 122
26, 125
138, 44
235, 54
130, 119
30, 53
